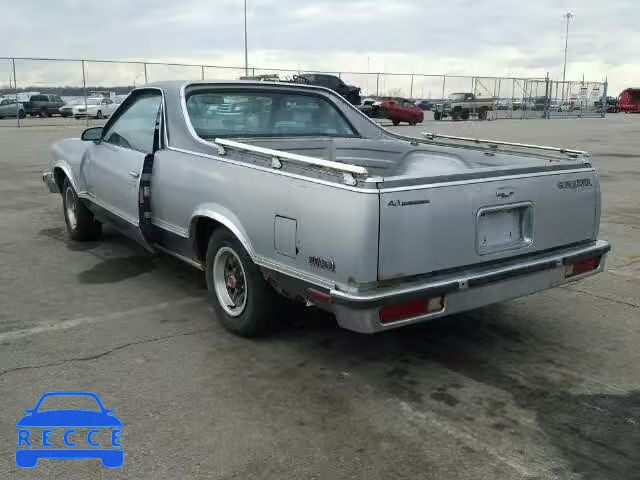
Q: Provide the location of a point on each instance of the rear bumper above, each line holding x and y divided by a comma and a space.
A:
473, 288
50, 181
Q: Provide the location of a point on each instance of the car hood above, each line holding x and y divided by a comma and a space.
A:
69, 418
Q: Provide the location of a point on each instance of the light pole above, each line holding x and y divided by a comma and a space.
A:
246, 52
568, 16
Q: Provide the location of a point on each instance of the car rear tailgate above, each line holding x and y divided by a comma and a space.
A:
440, 226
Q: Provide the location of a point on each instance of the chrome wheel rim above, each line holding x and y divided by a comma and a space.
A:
70, 204
230, 281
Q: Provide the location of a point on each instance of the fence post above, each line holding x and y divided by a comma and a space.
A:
145, 73
15, 89
547, 95
444, 81
605, 105
202, 72
411, 88
377, 83
84, 92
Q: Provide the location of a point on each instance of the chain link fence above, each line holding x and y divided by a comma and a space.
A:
66, 91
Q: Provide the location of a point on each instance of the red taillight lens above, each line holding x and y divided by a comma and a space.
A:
582, 266
414, 308
316, 296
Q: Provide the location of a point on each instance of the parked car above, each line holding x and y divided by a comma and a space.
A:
612, 105
400, 110
426, 104
324, 206
350, 92
43, 105
505, 104
97, 107
629, 100
10, 108
460, 106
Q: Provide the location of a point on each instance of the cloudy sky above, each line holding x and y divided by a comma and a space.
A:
490, 37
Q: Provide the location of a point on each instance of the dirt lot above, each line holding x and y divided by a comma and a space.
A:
544, 387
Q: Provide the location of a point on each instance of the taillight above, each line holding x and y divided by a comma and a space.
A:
581, 266
414, 308
317, 296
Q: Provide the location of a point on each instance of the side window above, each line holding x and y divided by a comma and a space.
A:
108, 101
4, 102
135, 127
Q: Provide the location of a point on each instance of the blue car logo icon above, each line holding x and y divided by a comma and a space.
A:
72, 422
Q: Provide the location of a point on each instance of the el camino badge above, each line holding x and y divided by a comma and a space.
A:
574, 185
324, 263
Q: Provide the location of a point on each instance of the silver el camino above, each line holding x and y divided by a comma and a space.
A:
282, 189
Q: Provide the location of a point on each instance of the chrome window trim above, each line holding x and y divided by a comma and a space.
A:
164, 139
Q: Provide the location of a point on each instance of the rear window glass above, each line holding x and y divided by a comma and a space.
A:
272, 114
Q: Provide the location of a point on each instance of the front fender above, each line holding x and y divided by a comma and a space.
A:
69, 156
225, 217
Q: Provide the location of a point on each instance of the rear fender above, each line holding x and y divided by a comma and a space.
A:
225, 217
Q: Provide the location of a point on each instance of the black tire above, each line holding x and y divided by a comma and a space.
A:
86, 227
482, 114
395, 122
99, 115
437, 116
260, 299
465, 115
42, 113
21, 114
455, 116
413, 123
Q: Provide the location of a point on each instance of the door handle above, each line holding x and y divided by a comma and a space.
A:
134, 174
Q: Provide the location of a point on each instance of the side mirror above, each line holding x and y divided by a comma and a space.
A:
92, 134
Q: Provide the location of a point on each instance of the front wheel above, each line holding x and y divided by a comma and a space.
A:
81, 224
243, 301
395, 122
437, 116
99, 115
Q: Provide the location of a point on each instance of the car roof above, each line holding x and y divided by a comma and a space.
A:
174, 86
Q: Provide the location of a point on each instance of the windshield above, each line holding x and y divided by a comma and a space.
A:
456, 96
271, 114
92, 101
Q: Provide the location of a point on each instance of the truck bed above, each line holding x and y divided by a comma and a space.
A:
448, 202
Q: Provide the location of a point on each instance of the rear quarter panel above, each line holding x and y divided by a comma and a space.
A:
332, 222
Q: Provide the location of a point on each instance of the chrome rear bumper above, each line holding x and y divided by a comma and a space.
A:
472, 288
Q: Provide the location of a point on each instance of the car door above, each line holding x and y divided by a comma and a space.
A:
109, 106
115, 163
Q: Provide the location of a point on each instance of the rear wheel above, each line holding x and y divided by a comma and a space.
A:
99, 115
81, 224
243, 301
413, 123
437, 116
465, 115
43, 112
482, 114
395, 122
21, 114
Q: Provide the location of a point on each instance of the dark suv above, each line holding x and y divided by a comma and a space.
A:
336, 84
43, 105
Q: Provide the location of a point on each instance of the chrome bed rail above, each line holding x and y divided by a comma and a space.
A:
348, 170
495, 143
